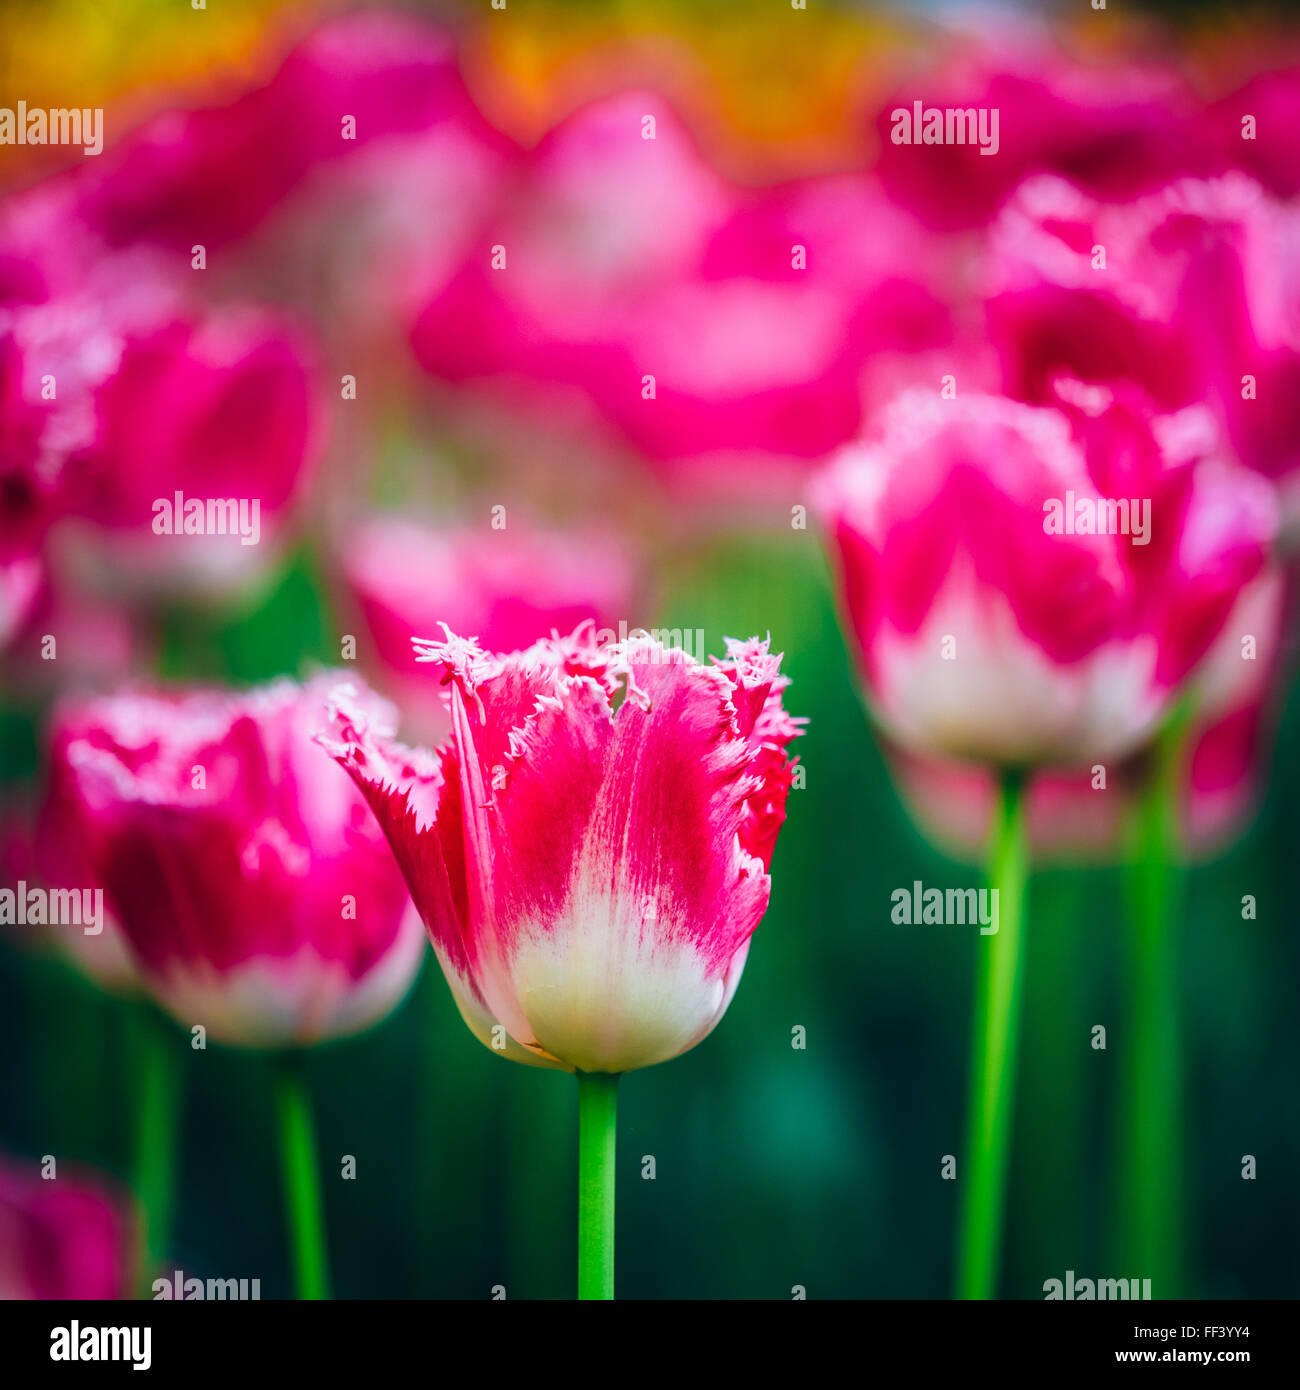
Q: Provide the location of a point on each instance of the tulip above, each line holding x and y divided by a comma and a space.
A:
215, 174
154, 395
62, 1237
714, 329
1115, 128
982, 634
1003, 617
252, 885
1189, 293
1075, 818
38, 436
589, 852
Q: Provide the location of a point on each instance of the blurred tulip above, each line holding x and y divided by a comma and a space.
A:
1116, 128
590, 878
73, 639
212, 175
221, 409
511, 588
705, 323
119, 390
1076, 288
1192, 293
1266, 148
1239, 691
59, 863
250, 881
985, 636
1074, 819
63, 1237
1069, 820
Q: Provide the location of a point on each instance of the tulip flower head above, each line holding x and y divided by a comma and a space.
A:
251, 883
63, 1238
590, 847
988, 629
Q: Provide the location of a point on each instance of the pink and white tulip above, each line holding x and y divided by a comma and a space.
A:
985, 636
590, 848
246, 874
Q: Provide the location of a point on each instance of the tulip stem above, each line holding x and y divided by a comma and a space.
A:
1151, 1195
305, 1211
154, 1165
597, 1132
995, 1040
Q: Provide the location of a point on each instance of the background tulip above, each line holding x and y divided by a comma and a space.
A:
65, 1237
511, 587
252, 886
248, 877
1060, 648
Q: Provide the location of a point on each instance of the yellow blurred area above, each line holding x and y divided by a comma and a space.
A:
772, 89
134, 56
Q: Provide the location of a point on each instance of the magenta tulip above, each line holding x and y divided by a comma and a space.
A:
590, 876
251, 883
984, 631
65, 1237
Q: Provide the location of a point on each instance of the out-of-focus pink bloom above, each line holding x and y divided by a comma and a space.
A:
47, 367
1116, 129
509, 588
590, 876
61, 865
1238, 695
20, 585
1069, 819
118, 391
74, 639
1076, 288
220, 410
68, 1237
1074, 818
1193, 293
629, 258
211, 176
1238, 257
251, 883
988, 626
1270, 154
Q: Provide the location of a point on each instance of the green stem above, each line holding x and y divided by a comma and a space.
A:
597, 1131
156, 1129
302, 1181
996, 1034
1151, 1197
